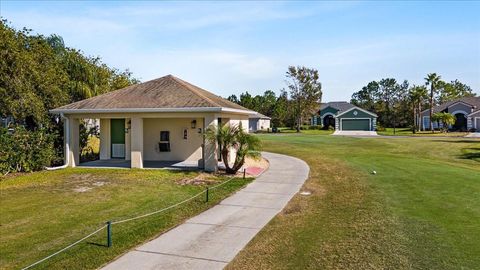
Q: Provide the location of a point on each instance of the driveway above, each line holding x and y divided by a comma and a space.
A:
473, 135
213, 238
359, 133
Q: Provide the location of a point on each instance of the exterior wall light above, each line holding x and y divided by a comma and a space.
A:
129, 126
194, 123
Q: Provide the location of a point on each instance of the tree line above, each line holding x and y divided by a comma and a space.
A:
291, 108
399, 104
39, 73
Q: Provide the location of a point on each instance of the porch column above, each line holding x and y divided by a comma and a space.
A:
105, 136
136, 143
128, 134
209, 149
73, 142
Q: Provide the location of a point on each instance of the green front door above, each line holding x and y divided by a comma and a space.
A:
356, 124
117, 131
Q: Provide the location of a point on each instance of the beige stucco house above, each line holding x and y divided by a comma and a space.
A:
159, 120
258, 122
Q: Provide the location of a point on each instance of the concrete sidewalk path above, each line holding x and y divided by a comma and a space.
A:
213, 238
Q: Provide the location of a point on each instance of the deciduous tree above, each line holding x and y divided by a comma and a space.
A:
305, 91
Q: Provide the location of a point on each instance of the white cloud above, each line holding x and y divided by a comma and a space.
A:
205, 43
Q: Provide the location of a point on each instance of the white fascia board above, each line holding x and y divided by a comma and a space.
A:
230, 110
473, 113
455, 103
357, 108
151, 110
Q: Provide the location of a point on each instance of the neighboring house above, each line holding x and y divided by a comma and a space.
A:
92, 123
344, 116
258, 121
466, 111
7, 121
159, 120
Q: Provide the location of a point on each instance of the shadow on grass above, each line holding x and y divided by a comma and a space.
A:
459, 141
471, 153
97, 244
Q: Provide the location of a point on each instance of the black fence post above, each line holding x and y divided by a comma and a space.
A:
109, 233
244, 171
206, 195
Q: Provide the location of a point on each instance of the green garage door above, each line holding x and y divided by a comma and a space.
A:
356, 124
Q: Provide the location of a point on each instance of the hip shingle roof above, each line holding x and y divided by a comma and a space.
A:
165, 92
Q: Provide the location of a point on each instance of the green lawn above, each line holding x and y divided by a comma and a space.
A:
420, 211
43, 212
408, 132
306, 131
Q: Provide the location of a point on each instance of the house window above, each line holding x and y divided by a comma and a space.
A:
164, 144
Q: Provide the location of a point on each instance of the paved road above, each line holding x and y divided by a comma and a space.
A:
213, 238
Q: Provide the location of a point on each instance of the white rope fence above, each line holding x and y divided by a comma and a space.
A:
130, 219
171, 206
65, 248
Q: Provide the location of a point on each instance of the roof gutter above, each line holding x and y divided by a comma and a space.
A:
67, 146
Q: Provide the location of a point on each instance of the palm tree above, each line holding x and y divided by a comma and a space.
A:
233, 138
433, 80
447, 119
417, 96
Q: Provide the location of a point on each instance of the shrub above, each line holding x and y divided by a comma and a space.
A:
330, 127
316, 127
25, 151
380, 128
232, 137
87, 152
304, 127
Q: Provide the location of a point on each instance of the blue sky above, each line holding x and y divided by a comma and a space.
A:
232, 47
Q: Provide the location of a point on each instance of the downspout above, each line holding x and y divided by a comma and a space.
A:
67, 146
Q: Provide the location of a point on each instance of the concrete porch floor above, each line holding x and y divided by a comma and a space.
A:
147, 164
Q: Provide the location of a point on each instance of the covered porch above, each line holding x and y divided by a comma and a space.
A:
151, 141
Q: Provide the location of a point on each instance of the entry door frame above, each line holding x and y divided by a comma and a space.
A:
115, 124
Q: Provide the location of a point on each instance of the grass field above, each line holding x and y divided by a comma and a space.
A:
421, 210
408, 132
43, 212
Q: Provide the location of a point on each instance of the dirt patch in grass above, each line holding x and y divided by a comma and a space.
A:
83, 182
89, 186
199, 180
